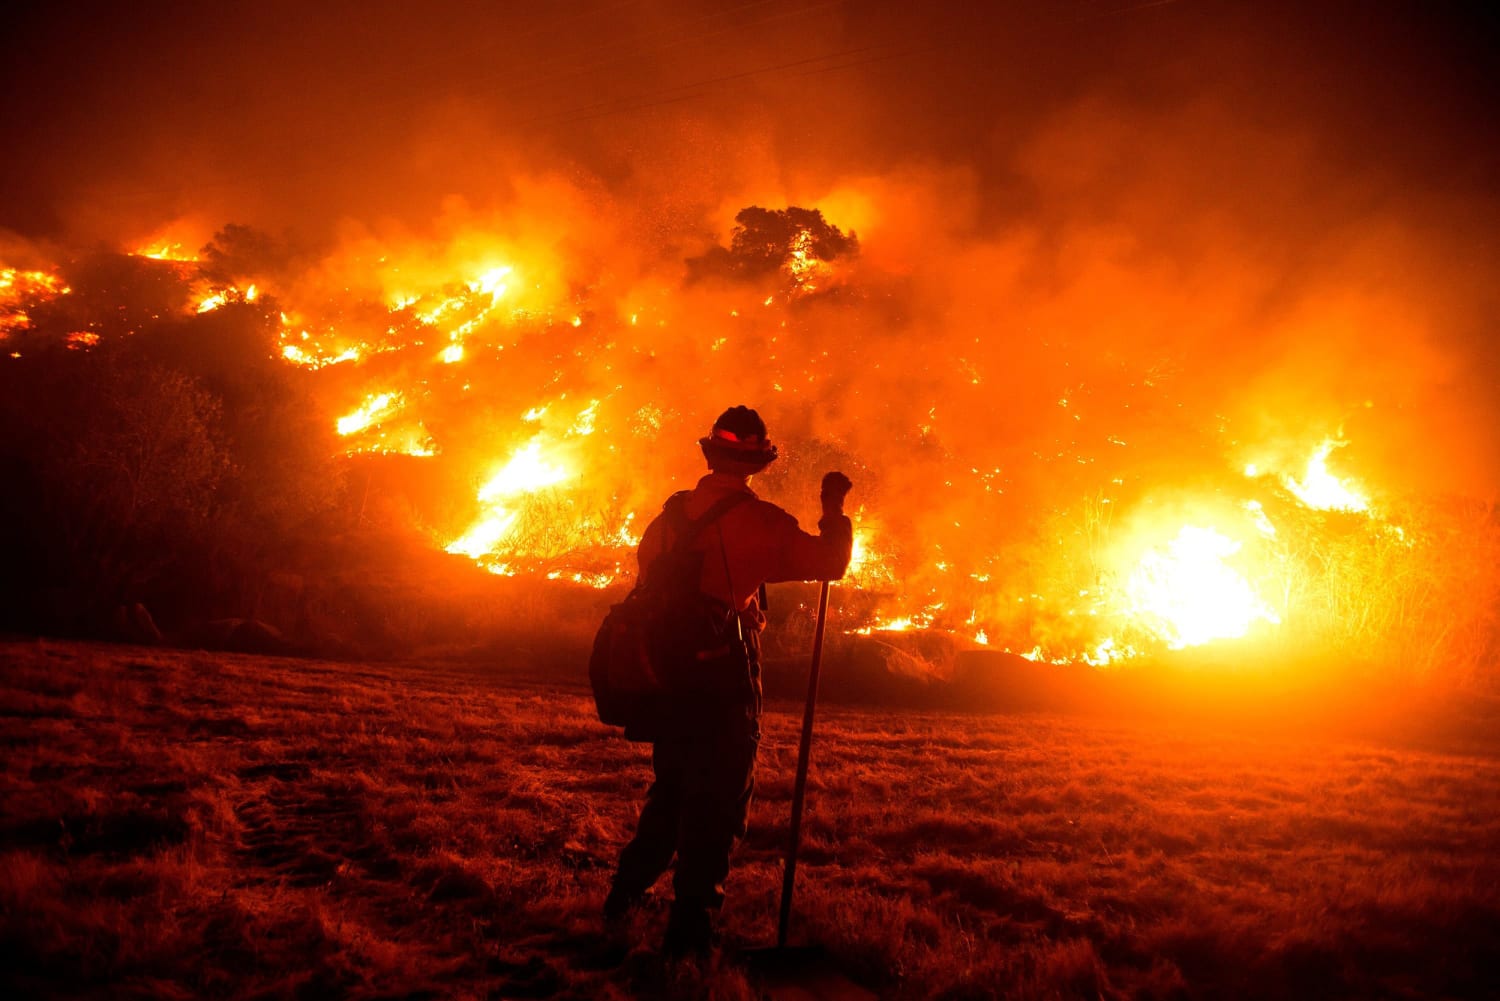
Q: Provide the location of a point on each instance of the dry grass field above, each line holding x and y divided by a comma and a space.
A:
177, 824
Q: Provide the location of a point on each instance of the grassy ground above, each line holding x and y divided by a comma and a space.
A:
183, 824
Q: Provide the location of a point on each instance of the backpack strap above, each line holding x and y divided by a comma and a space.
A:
685, 530
688, 529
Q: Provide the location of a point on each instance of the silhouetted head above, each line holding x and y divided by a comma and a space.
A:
738, 443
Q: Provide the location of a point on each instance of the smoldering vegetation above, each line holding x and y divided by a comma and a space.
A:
205, 464
1095, 273
1139, 253
183, 824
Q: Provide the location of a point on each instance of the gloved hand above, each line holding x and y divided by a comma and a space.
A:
835, 487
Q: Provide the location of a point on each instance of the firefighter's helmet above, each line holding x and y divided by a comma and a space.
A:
738, 443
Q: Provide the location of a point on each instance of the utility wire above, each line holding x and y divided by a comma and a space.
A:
650, 99
630, 103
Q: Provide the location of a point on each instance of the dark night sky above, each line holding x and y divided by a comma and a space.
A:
294, 114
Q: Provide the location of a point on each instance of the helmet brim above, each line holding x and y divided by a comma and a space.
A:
725, 458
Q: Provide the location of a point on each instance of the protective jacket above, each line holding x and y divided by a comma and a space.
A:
755, 543
705, 770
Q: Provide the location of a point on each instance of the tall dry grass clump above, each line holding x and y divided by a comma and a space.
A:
1414, 594
1409, 595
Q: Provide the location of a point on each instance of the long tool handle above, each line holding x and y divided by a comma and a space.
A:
804, 754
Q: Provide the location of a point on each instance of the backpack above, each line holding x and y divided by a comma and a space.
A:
668, 645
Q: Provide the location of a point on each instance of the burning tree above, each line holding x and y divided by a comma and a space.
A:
793, 243
1071, 500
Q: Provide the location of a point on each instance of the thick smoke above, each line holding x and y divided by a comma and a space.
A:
1106, 257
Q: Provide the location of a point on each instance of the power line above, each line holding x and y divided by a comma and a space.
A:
648, 99
629, 103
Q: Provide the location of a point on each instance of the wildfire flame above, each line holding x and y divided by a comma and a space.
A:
527, 472
22, 289
375, 408
803, 266
163, 250
1166, 583
224, 296
368, 421
1319, 488
492, 282
868, 566
307, 359
1189, 595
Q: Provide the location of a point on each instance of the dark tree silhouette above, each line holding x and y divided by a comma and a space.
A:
766, 242
238, 252
176, 461
122, 461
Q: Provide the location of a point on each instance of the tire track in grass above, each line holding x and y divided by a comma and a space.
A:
310, 829
281, 824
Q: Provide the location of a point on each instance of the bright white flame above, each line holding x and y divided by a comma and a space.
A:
624, 536
525, 473
1258, 516
213, 302
375, 407
858, 553
165, 251
1107, 652
298, 355
1188, 595
584, 425
484, 536
1320, 489
493, 282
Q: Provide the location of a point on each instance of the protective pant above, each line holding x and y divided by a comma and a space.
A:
695, 810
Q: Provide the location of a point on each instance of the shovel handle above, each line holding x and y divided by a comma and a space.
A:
804, 754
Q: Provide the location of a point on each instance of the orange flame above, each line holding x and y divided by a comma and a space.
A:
1319, 488
1189, 595
527, 471
165, 251
376, 407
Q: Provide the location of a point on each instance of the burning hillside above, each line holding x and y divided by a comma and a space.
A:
1139, 329
1109, 513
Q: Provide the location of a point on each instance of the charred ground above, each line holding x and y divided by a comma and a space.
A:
181, 824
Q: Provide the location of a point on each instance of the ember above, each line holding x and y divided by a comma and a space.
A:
557, 498
1047, 376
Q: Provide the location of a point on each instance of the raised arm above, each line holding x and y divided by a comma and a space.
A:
825, 556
